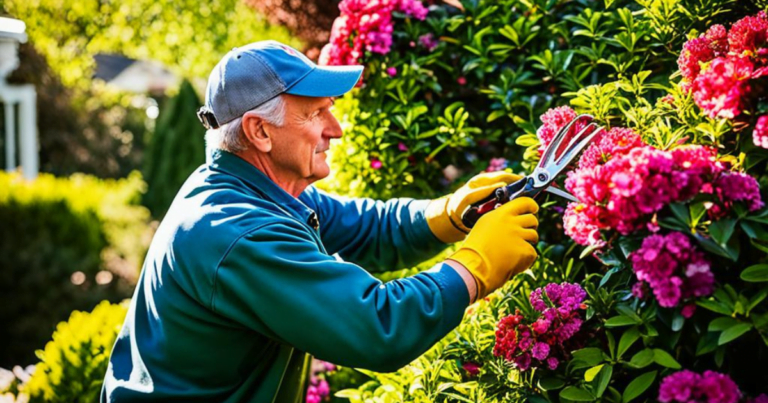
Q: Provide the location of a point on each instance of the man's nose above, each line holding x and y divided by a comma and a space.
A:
333, 130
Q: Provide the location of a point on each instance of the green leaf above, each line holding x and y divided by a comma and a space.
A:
591, 356
754, 230
576, 394
604, 379
722, 230
592, 372
627, 339
642, 359
620, 320
733, 332
551, 383
707, 344
755, 274
629, 312
722, 323
681, 212
664, 359
638, 386
714, 306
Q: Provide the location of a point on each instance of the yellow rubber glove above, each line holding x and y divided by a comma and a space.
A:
500, 244
444, 214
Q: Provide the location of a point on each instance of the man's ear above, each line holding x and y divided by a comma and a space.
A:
253, 128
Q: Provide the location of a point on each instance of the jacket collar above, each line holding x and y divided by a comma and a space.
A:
229, 163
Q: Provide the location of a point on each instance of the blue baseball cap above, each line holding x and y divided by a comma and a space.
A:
251, 75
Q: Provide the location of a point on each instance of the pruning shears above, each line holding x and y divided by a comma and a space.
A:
566, 145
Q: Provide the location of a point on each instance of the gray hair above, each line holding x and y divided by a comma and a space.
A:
230, 136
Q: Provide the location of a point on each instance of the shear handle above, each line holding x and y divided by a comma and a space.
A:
521, 188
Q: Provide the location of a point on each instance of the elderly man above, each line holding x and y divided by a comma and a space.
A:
253, 270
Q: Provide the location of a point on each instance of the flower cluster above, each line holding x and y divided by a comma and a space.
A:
719, 66
760, 134
497, 164
673, 269
365, 26
318, 389
738, 186
690, 387
548, 339
621, 182
552, 121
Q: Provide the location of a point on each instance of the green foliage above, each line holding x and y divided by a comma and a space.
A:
176, 148
56, 233
502, 64
632, 343
187, 36
73, 364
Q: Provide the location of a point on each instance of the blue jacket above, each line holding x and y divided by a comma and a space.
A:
239, 287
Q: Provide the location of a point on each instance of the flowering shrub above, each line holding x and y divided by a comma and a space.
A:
668, 262
548, 338
449, 87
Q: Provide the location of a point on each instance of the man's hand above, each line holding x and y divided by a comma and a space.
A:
500, 244
444, 214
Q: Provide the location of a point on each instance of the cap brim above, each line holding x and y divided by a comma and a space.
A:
327, 81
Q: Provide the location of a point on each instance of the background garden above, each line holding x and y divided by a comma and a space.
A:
653, 288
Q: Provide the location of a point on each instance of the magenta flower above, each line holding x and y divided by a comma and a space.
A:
748, 35
689, 387
738, 186
392, 71
472, 368
547, 339
673, 269
497, 164
376, 163
365, 26
461, 80
402, 147
760, 133
552, 121
428, 41
723, 90
635, 182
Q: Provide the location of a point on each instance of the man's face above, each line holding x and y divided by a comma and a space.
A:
299, 146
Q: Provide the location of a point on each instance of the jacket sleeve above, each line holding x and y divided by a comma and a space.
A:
276, 281
377, 235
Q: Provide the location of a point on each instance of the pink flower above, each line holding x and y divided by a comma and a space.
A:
695, 52
402, 147
738, 186
760, 133
688, 310
760, 399
718, 388
428, 41
722, 91
622, 183
376, 163
540, 351
689, 387
748, 35
545, 340
678, 387
365, 26
552, 363
472, 367
673, 268
497, 164
392, 71
461, 80
617, 142
552, 121
714, 43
